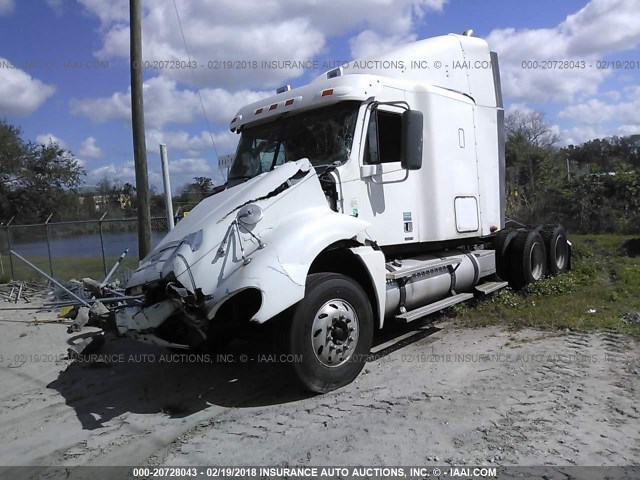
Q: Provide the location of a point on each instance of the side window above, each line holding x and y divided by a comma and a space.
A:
385, 146
389, 136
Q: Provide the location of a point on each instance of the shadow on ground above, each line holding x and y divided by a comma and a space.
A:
129, 376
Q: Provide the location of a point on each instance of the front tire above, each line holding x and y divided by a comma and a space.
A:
331, 332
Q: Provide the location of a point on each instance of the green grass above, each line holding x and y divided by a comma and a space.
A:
601, 288
66, 268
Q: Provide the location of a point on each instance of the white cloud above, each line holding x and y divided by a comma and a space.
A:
88, 148
45, 138
100, 110
612, 95
249, 30
592, 112
124, 172
177, 140
602, 27
595, 112
165, 104
108, 10
520, 107
56, 6
20, 93
582, 133
190, 166
633, 91
368, 43
626, 130
99, 173
225, 142
7, 7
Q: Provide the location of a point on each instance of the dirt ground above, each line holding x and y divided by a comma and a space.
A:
443, 396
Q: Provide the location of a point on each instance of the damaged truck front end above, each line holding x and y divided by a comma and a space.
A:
241, 255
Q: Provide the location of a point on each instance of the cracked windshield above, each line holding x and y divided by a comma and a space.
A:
323, 135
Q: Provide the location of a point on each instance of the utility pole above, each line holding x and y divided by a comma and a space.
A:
137, 120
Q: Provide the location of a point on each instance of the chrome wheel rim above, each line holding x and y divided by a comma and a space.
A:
537, 261
334, 333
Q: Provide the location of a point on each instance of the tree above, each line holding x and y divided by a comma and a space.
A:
203, 185
531, 127
35, 180
532, 163
192, 193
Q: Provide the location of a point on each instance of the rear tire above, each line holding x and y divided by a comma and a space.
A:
528, 258
331, 332
555, 240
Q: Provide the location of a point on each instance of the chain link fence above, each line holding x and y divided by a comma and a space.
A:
77, 249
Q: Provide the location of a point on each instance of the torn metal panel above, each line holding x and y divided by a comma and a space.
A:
86, 346
136, 318
279, 271
212, 218
262, 235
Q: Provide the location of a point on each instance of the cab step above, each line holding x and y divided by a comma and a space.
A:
433, 307
488, 287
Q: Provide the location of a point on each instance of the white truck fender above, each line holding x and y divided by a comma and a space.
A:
279, 271
374, 262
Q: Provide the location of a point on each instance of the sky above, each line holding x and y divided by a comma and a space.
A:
64, 67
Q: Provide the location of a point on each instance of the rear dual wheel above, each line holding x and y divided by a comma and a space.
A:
555, 240
528, 258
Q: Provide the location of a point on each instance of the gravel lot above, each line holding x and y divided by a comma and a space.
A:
477, 396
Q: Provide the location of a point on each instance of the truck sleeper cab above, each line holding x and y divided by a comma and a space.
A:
370, 194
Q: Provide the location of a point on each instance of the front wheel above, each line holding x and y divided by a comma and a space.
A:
331, 332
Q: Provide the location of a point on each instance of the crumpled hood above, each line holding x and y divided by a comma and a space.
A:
204, 228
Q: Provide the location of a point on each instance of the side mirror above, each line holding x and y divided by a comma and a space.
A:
411, 150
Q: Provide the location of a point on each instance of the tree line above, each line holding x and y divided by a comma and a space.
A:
39, 180
592, 187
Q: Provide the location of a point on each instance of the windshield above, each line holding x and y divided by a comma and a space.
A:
323, 135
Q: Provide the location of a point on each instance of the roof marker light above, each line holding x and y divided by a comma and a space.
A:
273, 107
283, 89
259, 110
327, 92
288, 102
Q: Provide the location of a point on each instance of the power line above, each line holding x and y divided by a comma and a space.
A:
204, 112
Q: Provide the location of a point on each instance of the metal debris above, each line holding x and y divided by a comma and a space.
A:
87, 302
51, 279
20, 291
86, 346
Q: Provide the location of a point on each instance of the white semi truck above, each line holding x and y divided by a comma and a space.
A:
374, 193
